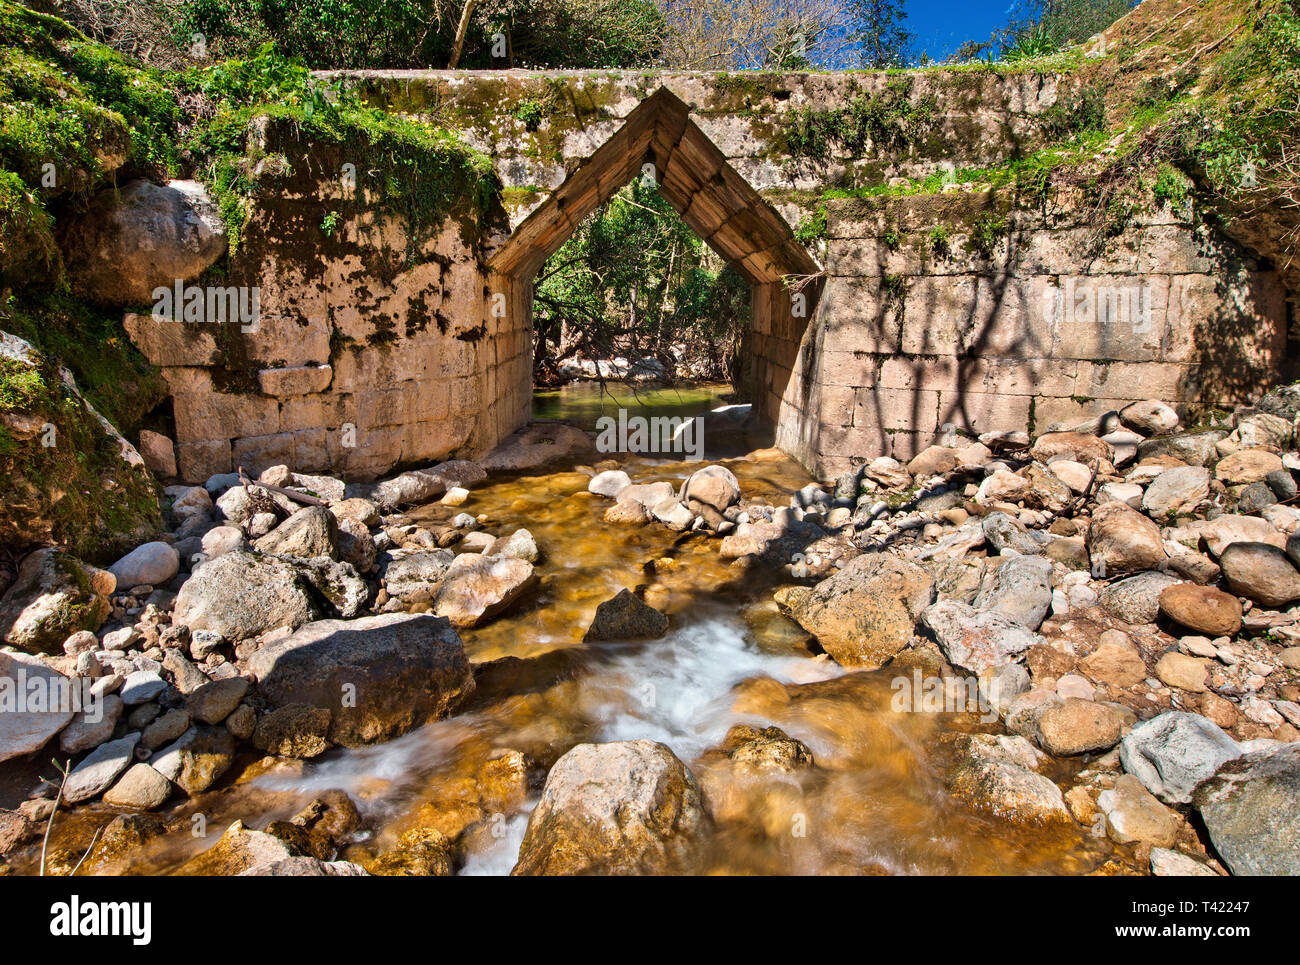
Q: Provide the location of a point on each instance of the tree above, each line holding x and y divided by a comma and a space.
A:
756, 34
878, 29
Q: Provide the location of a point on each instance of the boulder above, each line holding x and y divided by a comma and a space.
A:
1246, 466
866, 613
153, 564
609, 483
1177, 492
1020, 588
1174, 752
629, 807
1261, 572
1121, 540
97, 772
308, 533
54, 596
626, 617
476, 588
1202, 608
197, 758
91, 728
519, 545
999, 773
1178, 670
242, 595
1222, 532
27, 730
1134, 815
976, 640
294, 730
1136, 600
415, 578
141, 787
215, 701
1076, 446
539, 445
1249, 807
714, 486
238, 850
377, 676
1076, 726
1150, 417
1192, 448
141, 236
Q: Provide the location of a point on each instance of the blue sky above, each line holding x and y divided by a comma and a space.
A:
942, 25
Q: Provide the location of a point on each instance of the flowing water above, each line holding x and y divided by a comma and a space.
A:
875, 803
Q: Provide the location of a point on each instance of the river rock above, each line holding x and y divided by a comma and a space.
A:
377, 676
88, 729
165, 729
1193, 448
975, 640
238, 850
1134, 815
356, 545
54, 596
1136, 600
1222, 532
141, 787
242, 595
339, 583
626, 617
609, 483
1246, 466
152, 564
94, 775
866, 613
27, 731
364, 511
1249, 808
1202, 608
999, 773
308, 533
1174, 752
415, 578
1177, 492
1151, 417
539, 445
1007, 535
1261, 572
1121, 540
214, 701
629, 807
1076, 446
476, 588
197, 758
672, 514
1077, 726
294, 730
141, 687
519, 545
1174, 864
1020, 588
714, 486
1115, 665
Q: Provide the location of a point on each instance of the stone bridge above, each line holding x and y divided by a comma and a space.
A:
915, 304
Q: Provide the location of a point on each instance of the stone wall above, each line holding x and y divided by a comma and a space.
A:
920, 310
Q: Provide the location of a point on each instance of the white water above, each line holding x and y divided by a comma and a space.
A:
675, 690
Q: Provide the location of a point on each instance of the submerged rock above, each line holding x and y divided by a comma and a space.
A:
1000, 774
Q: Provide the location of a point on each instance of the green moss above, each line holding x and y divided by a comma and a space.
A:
885, 121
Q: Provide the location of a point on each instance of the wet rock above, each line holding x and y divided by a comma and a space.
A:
141, 787
395, 671
303, 866
308, 533
420, 852
609, 483
769, 749
866, 613
1261, 572
1136, 600
1174, 752
629, 807
1202, 608
197, 759
1077, 726
626, 617
54, 596
1249, 808
476, 588
238, 850
1020, 588
28, 730
519, 545
714, 486
294, 730
94, 775
999, 773
152, 564
242, 595
1121, 540
975, 640
1177, 492
1134, 815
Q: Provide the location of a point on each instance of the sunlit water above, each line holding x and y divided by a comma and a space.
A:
874, 804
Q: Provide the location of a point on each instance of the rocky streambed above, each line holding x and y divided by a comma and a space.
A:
1067, 654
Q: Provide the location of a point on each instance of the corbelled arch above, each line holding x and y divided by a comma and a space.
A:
660, 140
